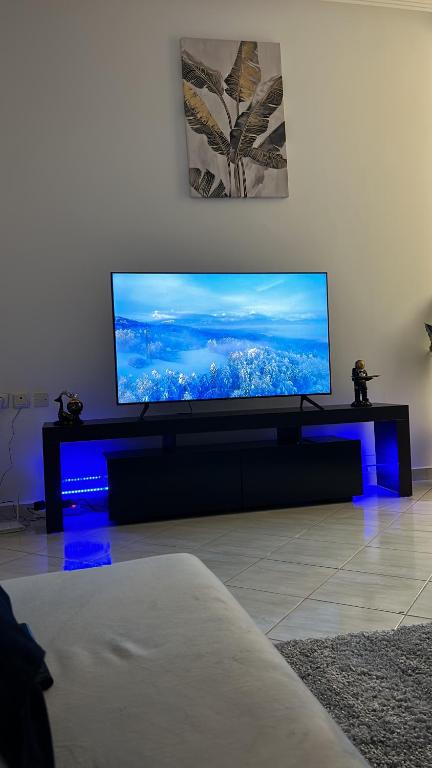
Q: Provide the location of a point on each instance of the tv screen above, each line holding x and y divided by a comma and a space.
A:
210, 336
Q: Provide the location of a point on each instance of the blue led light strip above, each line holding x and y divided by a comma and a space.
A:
86, 477
84, 490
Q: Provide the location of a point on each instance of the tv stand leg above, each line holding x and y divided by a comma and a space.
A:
52, 476
145, 408
393, 456
306, 399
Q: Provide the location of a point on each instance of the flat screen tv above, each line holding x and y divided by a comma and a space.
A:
211, 336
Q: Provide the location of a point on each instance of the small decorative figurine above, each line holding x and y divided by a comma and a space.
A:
360, 376
73, 409
428, 327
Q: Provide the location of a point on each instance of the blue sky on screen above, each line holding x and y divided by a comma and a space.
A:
290, 297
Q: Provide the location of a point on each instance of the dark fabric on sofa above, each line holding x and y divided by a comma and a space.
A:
25, 736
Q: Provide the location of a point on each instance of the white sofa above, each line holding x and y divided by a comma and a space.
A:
157, 666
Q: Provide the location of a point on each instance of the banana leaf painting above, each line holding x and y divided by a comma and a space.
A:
233, 101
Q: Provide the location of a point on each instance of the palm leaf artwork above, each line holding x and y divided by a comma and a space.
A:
198, 74
239, 117
202, 121
245, 74
203, 183
267, 152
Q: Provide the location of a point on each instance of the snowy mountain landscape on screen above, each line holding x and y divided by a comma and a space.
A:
208, 336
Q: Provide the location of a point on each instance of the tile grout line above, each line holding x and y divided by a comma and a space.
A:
330, 602
338, 569
415, 600
307, 597
266, 557
242, 571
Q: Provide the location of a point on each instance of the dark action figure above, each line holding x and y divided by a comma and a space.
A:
428, 327
360, 376
73, 409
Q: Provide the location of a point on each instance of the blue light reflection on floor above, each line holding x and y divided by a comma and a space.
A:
86, 533
86, 554
370, 508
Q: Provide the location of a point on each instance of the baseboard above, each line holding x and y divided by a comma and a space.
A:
422, 473
9, 510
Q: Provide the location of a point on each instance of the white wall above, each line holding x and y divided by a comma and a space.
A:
93, 178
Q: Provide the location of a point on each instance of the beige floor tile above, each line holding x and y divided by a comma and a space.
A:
408, 539
391, 503
87, 544
38, 544
54, 544
29, 565
412, 522
126, 532
218, 523
379, 518
137, 549
225, 566
186, 536
317, 511
142, 529
349, 532
423, 604
392, 562
8, 554
315, 619
283, 528
366, 590
283, 578
408, 621
421, 507
264, 608
326, 553
292, 514
422, 488
247, 543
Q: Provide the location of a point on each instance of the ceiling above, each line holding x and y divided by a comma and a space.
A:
409, 5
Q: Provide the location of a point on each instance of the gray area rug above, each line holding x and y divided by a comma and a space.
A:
378, 687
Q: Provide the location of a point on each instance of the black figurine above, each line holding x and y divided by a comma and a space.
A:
428, 327
360, 376
73, 409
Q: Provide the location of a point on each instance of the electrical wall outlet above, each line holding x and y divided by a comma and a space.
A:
40, 399
21, 400
4, 400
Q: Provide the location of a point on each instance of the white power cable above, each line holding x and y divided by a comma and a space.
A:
11, 439
11, 527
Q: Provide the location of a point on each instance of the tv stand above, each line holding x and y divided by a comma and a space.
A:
306, 399
391, 427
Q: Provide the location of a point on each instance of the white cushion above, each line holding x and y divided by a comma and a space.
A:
157, 666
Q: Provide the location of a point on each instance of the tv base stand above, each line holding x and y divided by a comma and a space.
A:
391, 428
305, 399
144, 410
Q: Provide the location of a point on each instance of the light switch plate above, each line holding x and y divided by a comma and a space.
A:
40, 399
21, 400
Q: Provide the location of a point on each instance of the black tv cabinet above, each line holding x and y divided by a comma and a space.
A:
391, 427
152, 485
